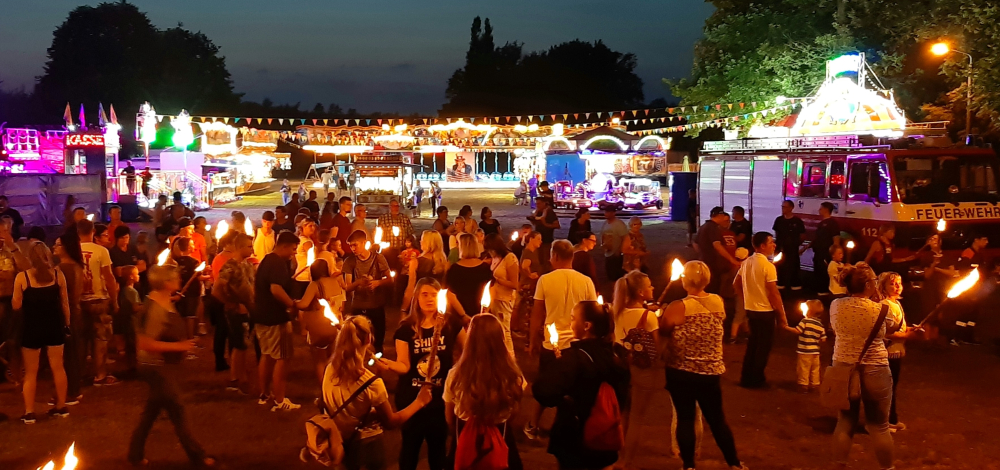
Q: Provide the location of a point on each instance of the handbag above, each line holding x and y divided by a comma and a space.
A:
322, 433
835, 390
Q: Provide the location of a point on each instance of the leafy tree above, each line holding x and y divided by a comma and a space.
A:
112, 53
569, 77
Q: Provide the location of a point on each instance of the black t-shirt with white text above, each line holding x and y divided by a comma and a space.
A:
419, 349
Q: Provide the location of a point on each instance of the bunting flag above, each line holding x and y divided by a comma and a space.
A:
281, 121
268, 121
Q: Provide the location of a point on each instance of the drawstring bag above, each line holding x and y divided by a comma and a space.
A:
603, 429
481, 447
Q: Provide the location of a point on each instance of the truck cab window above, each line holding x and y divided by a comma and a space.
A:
870, 182
813, 179
837, 179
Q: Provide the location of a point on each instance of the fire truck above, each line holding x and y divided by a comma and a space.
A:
913, 182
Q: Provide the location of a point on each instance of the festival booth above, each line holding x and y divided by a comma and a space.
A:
233, 170
383, 176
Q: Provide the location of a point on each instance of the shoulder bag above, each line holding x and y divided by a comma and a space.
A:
324, 439
836, 387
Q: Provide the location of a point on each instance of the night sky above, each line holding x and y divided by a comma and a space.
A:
376, 55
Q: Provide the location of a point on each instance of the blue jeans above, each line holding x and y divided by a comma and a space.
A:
871, 387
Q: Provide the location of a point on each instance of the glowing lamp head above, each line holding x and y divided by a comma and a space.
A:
485, 300
600, 300
804, 308
395, 231
328, 312
442, 301
200, 268
676, 269
385, 127
942, 225
940, 49
616, 120
777, 258
90, 217
161, 259
399, 128
248, 228
850, 245
221, 229
965, 284
513, 236
553, 335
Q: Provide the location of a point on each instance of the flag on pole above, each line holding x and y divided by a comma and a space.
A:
68, 116
83, 117
114, 118
102, 119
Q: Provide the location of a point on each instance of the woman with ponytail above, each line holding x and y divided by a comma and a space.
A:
432, 262
695, 366
361, 422
320, 331
415, 339
573, 382
632, 291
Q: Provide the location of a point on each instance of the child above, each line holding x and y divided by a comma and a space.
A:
811, 333
410, 251
129, 306
833, 270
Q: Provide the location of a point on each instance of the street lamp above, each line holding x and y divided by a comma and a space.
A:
943, 48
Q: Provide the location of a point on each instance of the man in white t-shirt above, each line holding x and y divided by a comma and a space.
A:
99, 298
757, 283
556, 294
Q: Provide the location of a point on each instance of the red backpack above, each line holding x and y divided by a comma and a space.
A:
481, 447
603, 429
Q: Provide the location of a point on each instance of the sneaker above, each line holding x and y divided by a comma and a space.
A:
107, 380
954, 343
797, 288
59, 412
233, 386
285, 405
531, 431
244, 389
264, 399
28, 418
69, 401
897, 427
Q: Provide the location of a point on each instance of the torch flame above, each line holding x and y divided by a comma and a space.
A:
378, 235
965, 284
804, 308
600, 300
777, 258
221, 229
328, 312
442, 301
676, 269
208, 228
368, 245
200, 268
392, 273
485, 301
942, 225
395, 231
90, 217
513, 236
162, 257
311, 256
850, 245
553, 335
69, 462
248, 228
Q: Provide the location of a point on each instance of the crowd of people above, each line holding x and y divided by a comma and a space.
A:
469, 291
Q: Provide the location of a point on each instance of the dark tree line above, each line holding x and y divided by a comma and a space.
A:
573, 76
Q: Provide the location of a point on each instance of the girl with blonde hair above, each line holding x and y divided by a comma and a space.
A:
485, 385
40, 293
432, 262
370, 412
888, 291
418, 332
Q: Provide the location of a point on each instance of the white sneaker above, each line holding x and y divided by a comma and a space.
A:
285, 405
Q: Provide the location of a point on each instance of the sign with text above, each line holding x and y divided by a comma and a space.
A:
84, 140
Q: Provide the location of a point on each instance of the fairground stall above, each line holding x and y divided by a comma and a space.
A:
240, 161
383, 176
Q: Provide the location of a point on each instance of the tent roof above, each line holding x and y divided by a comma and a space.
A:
605, 131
